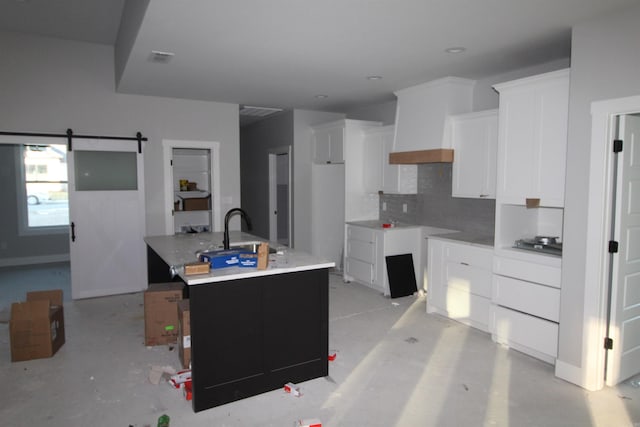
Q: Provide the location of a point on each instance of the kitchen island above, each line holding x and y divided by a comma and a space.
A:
252, 330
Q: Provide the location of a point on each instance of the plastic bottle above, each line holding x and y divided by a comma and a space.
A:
163, 421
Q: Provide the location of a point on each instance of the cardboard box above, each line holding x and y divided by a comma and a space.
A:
198, 267
37, 326
195, 204
248, 260
161, 313
184, 333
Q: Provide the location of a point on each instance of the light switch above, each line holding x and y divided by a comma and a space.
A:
404, 207
384, 206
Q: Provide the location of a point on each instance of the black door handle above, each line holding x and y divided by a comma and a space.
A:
73, 232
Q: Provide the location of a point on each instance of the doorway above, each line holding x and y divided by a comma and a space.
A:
606, 224
623, 295
198, 163
280, 204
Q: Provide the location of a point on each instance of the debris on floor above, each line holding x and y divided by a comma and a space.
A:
411, 340
164, 420
292, 389
187, 390
332, 356
181, 377
156, 373
308, 422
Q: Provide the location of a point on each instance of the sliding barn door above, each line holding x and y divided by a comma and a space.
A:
106, 216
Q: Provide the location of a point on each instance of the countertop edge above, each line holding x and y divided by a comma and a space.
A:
250, 273
465, 238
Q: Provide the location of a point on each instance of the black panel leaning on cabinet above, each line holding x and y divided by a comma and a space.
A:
250, 336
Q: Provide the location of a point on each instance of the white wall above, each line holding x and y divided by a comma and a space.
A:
384, 112
49, 85
302, 176
604, 65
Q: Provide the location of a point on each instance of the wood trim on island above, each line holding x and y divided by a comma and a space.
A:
440, 155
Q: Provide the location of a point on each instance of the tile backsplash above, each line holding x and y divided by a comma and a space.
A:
434, 206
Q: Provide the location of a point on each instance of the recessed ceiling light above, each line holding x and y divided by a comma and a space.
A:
374, 77
320, 96
457, 49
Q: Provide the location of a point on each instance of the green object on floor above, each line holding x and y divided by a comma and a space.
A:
163, 421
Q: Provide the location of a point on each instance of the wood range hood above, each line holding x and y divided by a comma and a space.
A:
439, 155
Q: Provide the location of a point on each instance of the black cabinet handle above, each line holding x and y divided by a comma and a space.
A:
73, 232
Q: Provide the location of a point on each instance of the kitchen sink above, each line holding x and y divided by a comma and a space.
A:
250, 246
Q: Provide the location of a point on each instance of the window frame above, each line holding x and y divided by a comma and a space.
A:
24, 229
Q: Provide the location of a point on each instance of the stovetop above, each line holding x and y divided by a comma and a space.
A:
547, 245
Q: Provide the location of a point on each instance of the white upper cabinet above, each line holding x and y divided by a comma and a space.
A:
474, 139
422, 110
532, 139
328, 143
378, 174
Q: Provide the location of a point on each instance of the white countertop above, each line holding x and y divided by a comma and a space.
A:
430, 232
180, 249
466, 237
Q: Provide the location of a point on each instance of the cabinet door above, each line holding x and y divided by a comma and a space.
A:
328, 145
373, 160
436, 286
474, 140
517, 163
336, 145
321, 144
532, 139
553, 102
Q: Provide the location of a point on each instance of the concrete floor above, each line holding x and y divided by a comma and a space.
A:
395, 366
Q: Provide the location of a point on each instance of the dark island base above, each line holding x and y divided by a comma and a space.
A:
254, 335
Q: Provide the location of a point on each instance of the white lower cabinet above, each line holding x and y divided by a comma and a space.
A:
525, 308
459, 282
367, 247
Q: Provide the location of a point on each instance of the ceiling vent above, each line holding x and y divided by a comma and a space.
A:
161, 57
249, 114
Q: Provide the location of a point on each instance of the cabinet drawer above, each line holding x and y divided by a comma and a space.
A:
360, 271
364, 251
479, 257
468, 278
472, 310
518, 329
362, 234
526, 270
532, 298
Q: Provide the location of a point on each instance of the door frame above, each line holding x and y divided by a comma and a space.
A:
273, 192
603, 114
167, 150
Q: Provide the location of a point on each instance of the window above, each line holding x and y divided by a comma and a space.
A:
44, 188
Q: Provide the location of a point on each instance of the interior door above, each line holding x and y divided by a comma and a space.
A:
623, 361
106, 215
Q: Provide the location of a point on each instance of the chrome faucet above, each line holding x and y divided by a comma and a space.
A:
225, 241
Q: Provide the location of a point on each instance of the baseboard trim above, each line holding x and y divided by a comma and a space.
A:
42, 259
575, 375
